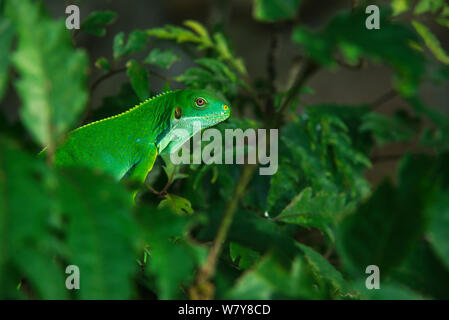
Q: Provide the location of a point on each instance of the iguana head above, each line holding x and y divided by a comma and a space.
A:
191, 111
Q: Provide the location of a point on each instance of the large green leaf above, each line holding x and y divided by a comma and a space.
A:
382, 232
319, 211
100, 234
52, 99
27, 243
172, 258
388, 225
96, 22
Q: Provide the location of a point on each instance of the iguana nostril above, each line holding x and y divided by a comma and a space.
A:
225, 108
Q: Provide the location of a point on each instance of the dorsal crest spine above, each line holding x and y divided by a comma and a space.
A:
129, 110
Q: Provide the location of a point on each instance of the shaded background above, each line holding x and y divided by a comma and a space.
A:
251, 41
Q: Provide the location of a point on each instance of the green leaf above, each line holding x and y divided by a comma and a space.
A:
52, 101
103, 64
424, 273
100, 233
431, 41
438, 232
443, 21
178, 34
139, 79
424, 6
389, 224
399, 128
6, 35
27, 242
136, 42
160, 227
275, 10
400, 6
319, 210
322, 269
177, 204
271, 280
163, 59
96, 22
316, 150
201, 31
242, 256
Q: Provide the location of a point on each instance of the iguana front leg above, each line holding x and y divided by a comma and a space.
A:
140, 170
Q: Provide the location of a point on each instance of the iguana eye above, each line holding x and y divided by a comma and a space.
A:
178, 112
200, 102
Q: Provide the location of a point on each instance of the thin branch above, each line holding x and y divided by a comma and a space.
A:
203, 288
105, 76
387, 96
309, 68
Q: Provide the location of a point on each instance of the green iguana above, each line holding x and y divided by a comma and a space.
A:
127, 144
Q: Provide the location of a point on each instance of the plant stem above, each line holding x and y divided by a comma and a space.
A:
202, 289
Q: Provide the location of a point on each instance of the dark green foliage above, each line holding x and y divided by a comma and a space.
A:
307, 232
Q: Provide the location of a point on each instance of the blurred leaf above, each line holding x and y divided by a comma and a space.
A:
398, 128
52, 101
159, 228
27, 242
96, 22
439, 227
400, 6
178, 34
136, 42
243, 257
177, 204
424, 6
423, 272
6, 35
271, 280
103, 64
443, 21
389, 290
163, 59
431, 41
382, 232
100, 234
275, 10
388, 225
201, 31
139, 79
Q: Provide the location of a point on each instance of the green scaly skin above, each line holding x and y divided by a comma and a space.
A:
128, 144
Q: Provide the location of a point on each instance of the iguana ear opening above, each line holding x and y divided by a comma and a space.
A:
178, 113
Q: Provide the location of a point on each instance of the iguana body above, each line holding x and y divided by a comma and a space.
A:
128, 144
